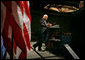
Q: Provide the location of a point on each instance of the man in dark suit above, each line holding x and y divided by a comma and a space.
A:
43, 27
77, 30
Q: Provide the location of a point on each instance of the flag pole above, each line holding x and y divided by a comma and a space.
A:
12, 47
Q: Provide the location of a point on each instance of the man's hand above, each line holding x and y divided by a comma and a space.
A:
49, 24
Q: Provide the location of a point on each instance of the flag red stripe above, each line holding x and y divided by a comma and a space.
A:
17, 32
18, 38
26, 36
27, 9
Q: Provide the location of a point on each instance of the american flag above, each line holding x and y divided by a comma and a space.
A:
16, 26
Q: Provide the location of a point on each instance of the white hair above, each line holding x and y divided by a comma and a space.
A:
45, 15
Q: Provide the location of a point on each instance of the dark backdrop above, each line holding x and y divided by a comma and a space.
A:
73, 23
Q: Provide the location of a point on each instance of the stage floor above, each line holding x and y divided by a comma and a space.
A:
40, 54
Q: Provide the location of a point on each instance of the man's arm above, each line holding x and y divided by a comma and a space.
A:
42, 22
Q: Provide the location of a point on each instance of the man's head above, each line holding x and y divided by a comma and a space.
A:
45, 16
81, 4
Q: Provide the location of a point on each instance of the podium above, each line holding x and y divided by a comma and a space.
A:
51, 31
55, 39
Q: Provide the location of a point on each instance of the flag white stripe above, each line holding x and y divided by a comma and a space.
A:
15, 13
19, 20
28, 4
26, 20
28, 24
18, 51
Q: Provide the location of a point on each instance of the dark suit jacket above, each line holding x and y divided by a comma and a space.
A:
43, 26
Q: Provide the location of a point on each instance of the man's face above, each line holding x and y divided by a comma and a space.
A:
81, 4
45, 17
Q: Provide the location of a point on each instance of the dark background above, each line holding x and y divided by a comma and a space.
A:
73, 22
